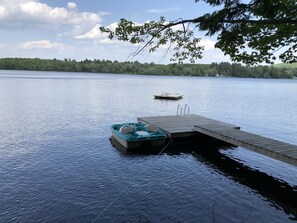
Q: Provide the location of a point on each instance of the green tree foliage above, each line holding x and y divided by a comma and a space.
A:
106, 66
251, 32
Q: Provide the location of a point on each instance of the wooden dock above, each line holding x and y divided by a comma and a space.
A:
181, 125
190, 125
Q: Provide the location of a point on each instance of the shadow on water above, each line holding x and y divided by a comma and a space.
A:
279, 193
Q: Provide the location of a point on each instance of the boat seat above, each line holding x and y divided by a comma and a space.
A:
152, 128
126, 129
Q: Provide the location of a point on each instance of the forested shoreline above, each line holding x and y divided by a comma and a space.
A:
105, 66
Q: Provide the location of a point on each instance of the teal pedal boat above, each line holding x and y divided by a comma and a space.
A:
134, 135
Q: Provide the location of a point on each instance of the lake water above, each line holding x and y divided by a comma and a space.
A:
58, 165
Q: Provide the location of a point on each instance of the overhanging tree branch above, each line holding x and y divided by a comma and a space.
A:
249, 33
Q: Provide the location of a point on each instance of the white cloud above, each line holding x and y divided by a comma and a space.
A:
164, 10
2, 11
95, 33
41, 44
208, 44
72, 6
42, 12
92, 34
32, 14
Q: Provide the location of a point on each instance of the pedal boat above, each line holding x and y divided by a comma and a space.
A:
134, 135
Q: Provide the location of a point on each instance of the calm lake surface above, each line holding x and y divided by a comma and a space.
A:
57, 163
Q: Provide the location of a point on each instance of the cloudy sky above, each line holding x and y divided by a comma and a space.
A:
69, 29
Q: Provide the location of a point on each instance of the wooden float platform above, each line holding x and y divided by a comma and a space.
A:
190, 125
168, 96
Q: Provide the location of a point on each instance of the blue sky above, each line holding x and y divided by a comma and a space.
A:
69, 29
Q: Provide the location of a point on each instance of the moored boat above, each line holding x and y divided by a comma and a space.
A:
134, 135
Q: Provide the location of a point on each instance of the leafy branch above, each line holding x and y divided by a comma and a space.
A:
250, 33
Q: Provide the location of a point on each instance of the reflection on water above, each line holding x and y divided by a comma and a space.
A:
278, 192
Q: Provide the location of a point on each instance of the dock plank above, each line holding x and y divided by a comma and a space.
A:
191, 125
175, 124
270, 147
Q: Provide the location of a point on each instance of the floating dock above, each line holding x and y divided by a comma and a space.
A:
187, 126
168, 96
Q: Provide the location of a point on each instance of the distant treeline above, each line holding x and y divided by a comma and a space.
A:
105, 66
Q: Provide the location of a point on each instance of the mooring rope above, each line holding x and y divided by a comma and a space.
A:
122, 191
165, 147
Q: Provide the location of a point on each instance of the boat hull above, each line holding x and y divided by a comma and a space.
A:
137, 140
138, 144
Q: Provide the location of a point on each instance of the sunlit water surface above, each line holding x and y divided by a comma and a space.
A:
58, 165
